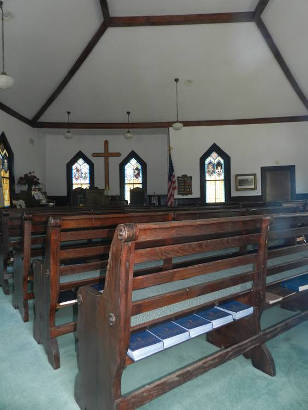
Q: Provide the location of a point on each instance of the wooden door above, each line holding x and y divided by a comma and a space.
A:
278, 183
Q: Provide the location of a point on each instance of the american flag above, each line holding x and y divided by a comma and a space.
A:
171, 183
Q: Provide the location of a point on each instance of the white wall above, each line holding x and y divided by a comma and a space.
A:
249, 146
28, 146
150, 145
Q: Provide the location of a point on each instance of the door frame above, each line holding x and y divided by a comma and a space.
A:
290, 168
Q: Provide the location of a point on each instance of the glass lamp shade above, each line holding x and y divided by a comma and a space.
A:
6, 81
177, 126
128, 135
68, 135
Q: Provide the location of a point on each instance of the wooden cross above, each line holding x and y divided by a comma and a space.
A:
106, 155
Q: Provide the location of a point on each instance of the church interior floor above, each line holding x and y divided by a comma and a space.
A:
27, 381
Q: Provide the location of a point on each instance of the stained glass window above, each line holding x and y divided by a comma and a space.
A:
133, 177
81, 174
214, 178
5, 174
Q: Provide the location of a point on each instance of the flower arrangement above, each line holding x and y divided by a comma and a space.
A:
29, 179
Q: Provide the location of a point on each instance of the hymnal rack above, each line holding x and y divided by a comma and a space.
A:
185, 328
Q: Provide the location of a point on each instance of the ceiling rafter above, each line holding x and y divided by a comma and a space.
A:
139, 21
77, 64
261, 6
15, 114
105, 9
169, 20
131, 21
281, 61
167, 124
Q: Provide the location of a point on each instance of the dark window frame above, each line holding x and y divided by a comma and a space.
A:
69, 167
227, 173
5, 142
122, 164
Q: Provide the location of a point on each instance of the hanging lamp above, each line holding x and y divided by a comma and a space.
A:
177, 125
68, 133
128, 135
6, 81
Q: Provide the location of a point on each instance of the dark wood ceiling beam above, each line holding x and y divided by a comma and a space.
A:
281, 61
105, 9
15, 114
169, 20
83, 56
167, 124
261, 6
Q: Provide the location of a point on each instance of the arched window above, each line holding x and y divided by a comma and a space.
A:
215, 176
133, 174
79, 172
6, 167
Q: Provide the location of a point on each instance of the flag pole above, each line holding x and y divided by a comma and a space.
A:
171, 177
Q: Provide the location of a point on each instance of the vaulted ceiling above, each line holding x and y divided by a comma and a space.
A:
100, 59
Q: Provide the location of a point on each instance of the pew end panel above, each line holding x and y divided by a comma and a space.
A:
33, 246
46, 292
22, 264
112, 356
106, 320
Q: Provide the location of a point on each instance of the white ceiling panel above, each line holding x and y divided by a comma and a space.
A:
233, 73
42, 41
287, 23
158, 7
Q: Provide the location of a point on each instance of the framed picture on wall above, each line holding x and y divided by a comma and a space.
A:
245, 182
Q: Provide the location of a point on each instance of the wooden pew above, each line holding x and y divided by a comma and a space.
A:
75, 245
287, 241
21, 295
12, 224
12, 234
12, 238
33, 246
271, 210
292, 231
32, 238
106, 320
12, 228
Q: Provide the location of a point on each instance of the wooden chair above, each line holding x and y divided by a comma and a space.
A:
106, 320
137, 197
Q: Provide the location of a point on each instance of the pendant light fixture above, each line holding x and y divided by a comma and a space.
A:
177, 125
6, 81
128, 135
68, 133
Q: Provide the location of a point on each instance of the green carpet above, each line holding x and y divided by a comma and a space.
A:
27, 381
